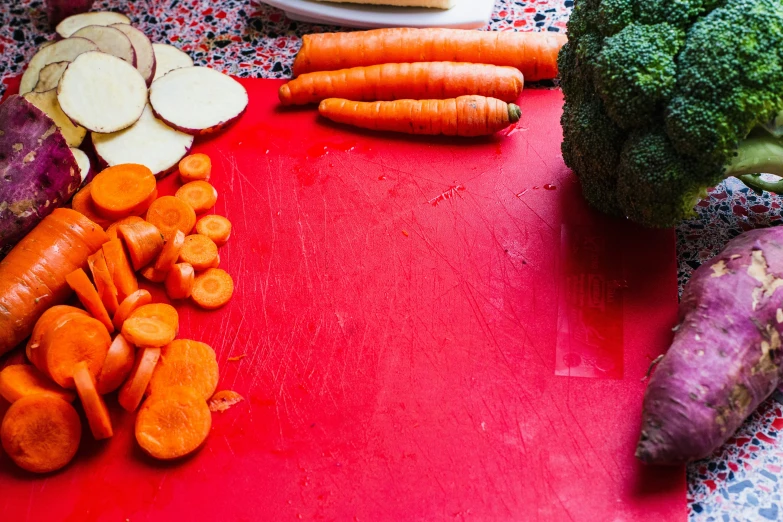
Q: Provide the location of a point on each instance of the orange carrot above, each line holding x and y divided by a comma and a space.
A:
32, 275
21, 380
89, 297
120, 268
179, 281
171, 214
143, 241
73, 338
216, 262
104, 283
223, 400
43, 325
533, 53
164, 312
122, 190
82, 203
398, 81
136, 300
170, 252
212, 289
112, 230
41, 433
133, 390
199, 251
200, 195
94, 408
152, 274
116, 367
217, 228
186, 363
463, 116
145, 332
195, 167
173, 424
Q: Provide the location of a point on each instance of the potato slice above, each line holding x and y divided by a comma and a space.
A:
50, 76
168, 58
73, 23
110, 41
47, 102
145, 54
85, 167
64, 50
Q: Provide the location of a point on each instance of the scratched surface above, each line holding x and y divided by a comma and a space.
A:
416, 347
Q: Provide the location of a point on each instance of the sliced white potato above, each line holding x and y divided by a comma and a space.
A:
47, 102
145, 54
110, 41
102, 93
149, 142
62, 51
49, 76
168, 58
73, 23
197, 100
85, 168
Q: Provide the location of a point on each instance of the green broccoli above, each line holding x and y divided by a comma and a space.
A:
666, 98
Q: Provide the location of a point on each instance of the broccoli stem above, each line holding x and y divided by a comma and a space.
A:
755, 156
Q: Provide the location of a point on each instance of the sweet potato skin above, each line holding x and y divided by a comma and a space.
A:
726, 355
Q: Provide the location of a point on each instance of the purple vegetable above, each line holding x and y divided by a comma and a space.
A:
726, 355
58, 10
38, 172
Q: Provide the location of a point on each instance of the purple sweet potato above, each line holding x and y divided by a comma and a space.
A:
726, 355
38, 172
58, 10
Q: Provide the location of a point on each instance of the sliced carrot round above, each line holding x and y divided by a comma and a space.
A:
198, 251
200, 195
212, 289
88, 295
94, 408
133, 390
171, 214
117, 366
223, 400
143, 241
173, 424
135, 300
162, 311
112, 230
21, 380
43, 325
73, 338
122, 190
186, 363
82, 203
179, 281
195, 167
217, 228
145, 332
170, 252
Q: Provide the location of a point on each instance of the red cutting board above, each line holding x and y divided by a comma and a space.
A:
434, 329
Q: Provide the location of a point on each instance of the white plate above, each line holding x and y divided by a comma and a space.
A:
467, 14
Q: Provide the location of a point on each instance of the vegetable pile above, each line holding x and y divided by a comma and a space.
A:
665, 99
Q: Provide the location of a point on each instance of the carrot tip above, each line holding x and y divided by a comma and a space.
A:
514, 112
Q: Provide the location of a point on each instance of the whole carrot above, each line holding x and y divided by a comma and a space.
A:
397, 81
463, 116
535, 54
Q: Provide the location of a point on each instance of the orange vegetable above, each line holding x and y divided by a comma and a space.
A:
170, 252
89, 297
32, 275
153, 275
120, 268
73, 338
463, 116
94, 408
136, 300
212, 289
223, 400
195, 167
112, 230
216, 263
104, 283
145, 332
41, 433
116, 367
199, 251
171, 214
179, 281
21, 380
533, 53
200, 195
82, 203
144, 242
133, 390
173, 424
43, 325
186, 363
122, 190
217, 228
164, 312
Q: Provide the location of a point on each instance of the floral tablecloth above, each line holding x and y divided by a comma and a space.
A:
248, 38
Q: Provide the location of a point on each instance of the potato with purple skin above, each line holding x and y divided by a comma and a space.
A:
726, 355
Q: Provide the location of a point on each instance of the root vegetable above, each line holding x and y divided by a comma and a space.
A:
173, 424
145, 54
21, 380
143, 241
133, 390
170, 252
89, 297
49, 76
120, 268
162, 311
129, 305
195, 167
179, 281
168, 58
212, 289
123, 190
94, 408
200, 195
82, 203
145, 332
186, 363
62, 51
43, 325
47, 102
73, 23
83, 161
198, 251
117, 366
110, 41
171, 215
217, 228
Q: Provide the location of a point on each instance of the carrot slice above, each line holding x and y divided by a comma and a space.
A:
133, 390
199, 251
153, 275
112, 230
41, 433
143, 240
170, 252
43, 325
120, 268
186, 363
173, 424
145, 332
94, 408
216, 262
179, 281
80, 283
82, 203
122, 190
162, 311
200, 195
212, 289
21, 380
223, 400
195, 167
136, 300
104, 283
74, 338
171, 214
217, 228
116, 367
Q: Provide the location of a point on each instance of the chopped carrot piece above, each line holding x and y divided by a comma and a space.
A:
186, 363
217, 228
165, 312
179, 281
223, 400
74, 338
195, 167
94, 408
82, 203
145, 332
133, 390
153, 275
199, 251
112, 230
216, 262
104, 283
237, 358
200, 195
122, 190
173, 424
120, 268
171, 214
136, 300
143, 241
170, 252
212, 289
117, 366
43, 325
41, 433
21, 380
80, 283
